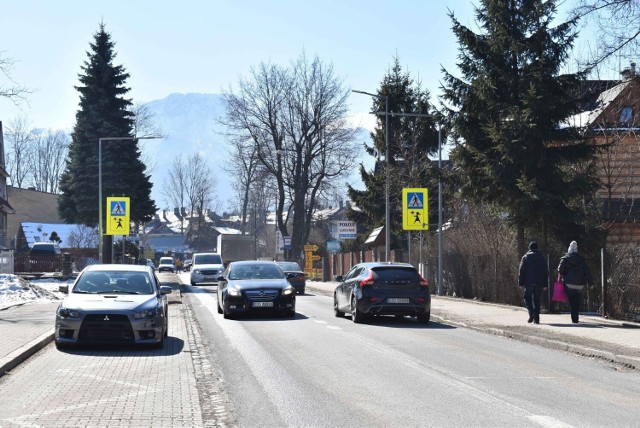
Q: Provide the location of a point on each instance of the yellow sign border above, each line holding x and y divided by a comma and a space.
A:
409, 214
118, 224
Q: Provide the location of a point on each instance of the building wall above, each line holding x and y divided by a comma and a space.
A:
30, 206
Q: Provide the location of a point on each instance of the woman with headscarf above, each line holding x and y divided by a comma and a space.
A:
575, 274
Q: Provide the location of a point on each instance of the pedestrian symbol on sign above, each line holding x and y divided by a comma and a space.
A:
415, 200
116, 209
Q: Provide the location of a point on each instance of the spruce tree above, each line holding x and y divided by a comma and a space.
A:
104, 112
411, 140
507, 111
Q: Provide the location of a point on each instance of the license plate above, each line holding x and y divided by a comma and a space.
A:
262, 304
397, 300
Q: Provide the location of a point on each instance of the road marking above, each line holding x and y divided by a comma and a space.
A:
548, 421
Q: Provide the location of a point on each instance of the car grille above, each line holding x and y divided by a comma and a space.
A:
106, 327
209, 272
261, 295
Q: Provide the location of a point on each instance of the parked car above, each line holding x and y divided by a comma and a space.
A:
187, 265
151, 264
254, 286
295, 275
382, 289
166, 265
206, 268
113, 304
44, 257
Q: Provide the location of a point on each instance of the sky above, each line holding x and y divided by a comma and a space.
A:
206, 46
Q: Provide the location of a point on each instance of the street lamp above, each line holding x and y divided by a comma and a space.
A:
387, 222
100, 140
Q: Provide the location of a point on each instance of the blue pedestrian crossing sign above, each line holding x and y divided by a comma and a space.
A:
415, 209
118, 214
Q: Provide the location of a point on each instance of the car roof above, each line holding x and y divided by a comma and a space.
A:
117, 268
371, 265
253, 262
199, 254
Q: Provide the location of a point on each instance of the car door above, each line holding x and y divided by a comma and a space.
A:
344, 300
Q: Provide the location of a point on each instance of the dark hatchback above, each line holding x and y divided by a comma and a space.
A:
254, 286
295, 275
382, 289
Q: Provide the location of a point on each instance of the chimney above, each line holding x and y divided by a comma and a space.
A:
628, 73
176, 211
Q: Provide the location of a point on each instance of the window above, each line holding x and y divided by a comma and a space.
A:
626, 115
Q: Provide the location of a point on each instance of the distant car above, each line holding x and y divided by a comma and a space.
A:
44, 257
254, 286
382, 289
166, 265
151, 264
187, 265
113, 304
295, 275
45, 248
206, 268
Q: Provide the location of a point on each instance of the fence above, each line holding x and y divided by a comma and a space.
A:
494, 277
24, 263
6, 261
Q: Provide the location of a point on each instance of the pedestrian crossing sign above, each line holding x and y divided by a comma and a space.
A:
118, 214
415, 209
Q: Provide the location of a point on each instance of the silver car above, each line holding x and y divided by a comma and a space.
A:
113, 304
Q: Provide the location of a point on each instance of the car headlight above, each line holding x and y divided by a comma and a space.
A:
150, 313
234, 292
288, 291
196, 271
68, 313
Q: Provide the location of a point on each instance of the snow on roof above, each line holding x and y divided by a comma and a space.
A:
41, 232
227, 231
587, 118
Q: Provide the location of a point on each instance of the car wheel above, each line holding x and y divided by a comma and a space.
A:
337, 312
356, 316
166, 329
289, 314
160, 344
226, 314
193, 284
424, 318
61, 345
218, 305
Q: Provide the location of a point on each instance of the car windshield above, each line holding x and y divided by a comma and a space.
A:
117, 282
290, 266
166, 261
255, 271
207, 259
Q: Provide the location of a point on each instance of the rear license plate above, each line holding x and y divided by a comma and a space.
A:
397, 300
262, 304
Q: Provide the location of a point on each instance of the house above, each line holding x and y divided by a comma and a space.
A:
5, 208
613, 122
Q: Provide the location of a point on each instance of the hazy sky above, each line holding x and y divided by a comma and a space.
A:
204, 46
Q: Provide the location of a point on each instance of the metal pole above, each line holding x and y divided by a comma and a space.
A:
440, 288
100, 244
387, 218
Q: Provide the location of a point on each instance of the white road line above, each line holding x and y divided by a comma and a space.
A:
548, 421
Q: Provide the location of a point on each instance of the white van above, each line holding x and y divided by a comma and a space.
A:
206, 267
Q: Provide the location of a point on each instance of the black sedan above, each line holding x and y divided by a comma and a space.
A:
382, 289
254, 286
295, 275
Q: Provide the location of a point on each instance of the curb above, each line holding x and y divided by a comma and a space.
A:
18, 356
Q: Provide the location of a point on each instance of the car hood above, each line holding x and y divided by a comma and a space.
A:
207, 266
98, 302
256, 284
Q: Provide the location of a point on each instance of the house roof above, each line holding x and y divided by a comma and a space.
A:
31, 206
41, 232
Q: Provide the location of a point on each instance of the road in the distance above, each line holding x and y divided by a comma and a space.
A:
316, 370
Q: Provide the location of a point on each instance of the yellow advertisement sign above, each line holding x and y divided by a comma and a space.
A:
118, 212
415, 209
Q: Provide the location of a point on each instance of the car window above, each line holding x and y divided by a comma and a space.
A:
114, 282
39, 249
354, 272
396, 275
166, 261
255, 271
289, 266
207, 259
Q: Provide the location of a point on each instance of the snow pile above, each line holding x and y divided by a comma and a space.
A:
16, 291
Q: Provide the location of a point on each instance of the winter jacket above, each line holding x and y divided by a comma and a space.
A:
574, 270
533, 269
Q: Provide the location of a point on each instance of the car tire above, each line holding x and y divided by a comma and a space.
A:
160, 344
356, 316
289, 314
218, 305
226, 314
337, 312
61, 345
424, 318
193, 284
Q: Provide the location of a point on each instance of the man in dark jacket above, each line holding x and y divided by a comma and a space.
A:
533, 275
575, 274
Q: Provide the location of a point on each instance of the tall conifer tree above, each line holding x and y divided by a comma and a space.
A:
508, 110
411, 140
104, 112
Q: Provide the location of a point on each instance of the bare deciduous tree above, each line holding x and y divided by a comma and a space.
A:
175, 188
48, 161
14, 92
296, 119
83, 237
20, 136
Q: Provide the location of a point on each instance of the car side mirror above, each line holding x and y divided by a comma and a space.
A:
220, 278
165, 289
339, 278
63, 289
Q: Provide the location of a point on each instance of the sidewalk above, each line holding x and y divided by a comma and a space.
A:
25, 329
594, 336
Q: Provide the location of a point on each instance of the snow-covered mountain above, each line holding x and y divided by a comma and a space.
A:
191, 124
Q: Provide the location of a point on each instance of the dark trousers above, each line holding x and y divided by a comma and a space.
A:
531, 296
575, 299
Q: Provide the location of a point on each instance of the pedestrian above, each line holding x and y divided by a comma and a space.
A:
179, 265
575, 274
533, 276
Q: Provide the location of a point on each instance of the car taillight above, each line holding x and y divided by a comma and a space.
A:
423, 281
299, 278
368, 280
421, 299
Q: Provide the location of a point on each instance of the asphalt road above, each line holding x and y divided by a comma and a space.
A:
316, 370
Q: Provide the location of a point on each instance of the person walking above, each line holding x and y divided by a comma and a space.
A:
178, 265
533, 275
575, 274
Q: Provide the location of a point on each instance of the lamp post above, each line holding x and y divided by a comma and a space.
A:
387, 220
100, 140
